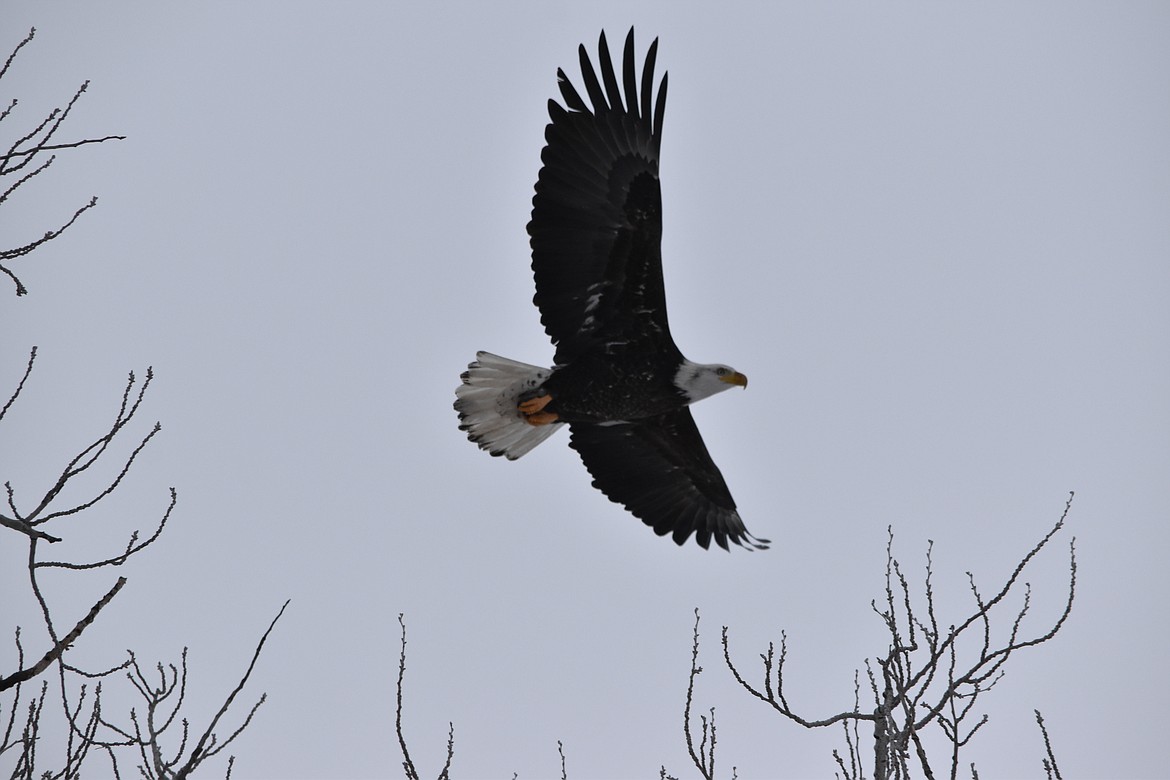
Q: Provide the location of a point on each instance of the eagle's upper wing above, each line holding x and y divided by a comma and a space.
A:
597, 214
659, 469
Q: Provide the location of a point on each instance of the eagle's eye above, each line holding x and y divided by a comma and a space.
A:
721, 371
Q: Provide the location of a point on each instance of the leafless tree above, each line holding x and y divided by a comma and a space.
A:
146, 733
928, 678
28, 154
95, 471
79, 691
931, 674
408, 767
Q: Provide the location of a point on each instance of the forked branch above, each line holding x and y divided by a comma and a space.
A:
929, 675
21, 161
164, 701
407, 762
704, 757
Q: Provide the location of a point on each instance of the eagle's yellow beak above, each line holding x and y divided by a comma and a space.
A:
737, 379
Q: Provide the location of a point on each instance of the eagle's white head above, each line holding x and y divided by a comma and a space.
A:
697, 381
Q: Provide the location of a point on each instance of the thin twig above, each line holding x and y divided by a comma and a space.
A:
407, 763
32, 356
1051, 770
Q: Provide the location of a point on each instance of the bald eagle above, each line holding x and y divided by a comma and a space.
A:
619, 382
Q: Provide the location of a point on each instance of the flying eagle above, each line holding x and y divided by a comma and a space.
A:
619, 382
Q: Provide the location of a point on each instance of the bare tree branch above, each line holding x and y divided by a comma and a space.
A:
32, 356
81, 708
1051, 770
704, 759
22, 161
206, 746
91, 455
924, 678
132, 546
407, 762
70, 145
58, 648
8, 63
24, 155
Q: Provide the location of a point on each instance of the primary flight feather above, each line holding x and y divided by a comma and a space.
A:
618, 380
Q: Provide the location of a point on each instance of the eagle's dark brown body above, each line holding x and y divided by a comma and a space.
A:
620, 383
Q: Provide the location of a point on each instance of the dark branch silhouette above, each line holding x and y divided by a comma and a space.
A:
407, 762
52, 147
88, 730
63, 644
146, 733
23, 160
704, 757
46, 509
1051, 770
925, 678
88, 727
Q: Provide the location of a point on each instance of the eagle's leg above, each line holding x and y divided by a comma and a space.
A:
534, 404
541, 418
533, 410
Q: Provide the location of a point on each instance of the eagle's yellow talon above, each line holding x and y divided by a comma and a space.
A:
534, 405
541, 418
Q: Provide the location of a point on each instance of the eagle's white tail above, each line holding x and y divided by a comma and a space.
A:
487, 401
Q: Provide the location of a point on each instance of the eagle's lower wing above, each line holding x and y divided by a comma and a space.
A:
596, 224
659, 469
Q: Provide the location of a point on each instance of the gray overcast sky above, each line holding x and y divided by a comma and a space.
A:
937, 238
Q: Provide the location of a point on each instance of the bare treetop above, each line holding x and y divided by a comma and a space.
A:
24, 158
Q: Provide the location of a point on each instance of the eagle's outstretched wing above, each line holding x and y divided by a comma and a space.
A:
597, 214
659, 469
